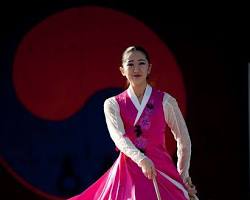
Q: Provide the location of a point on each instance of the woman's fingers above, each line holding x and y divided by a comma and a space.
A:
149, 173
146, 172
192, 190
148, 168
190, 187
152, 171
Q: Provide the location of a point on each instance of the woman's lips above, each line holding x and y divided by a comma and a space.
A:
137, 75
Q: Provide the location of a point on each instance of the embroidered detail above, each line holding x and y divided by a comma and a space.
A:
138, 130
141, 144
145, 121
150, 106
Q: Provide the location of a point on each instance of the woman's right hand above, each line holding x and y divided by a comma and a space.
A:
148, 168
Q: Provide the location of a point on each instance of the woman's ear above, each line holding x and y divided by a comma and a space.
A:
122, 71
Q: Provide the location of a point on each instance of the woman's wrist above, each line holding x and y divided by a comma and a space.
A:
184, 176
141, 161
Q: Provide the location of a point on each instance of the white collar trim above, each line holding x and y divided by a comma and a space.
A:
134, 99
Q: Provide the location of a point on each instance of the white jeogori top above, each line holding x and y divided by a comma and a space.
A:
173, 118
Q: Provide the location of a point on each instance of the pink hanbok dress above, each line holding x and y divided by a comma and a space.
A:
138, 130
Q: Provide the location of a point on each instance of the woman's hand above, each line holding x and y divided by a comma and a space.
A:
190, 187
148, 168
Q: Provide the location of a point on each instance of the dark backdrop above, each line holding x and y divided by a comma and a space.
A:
213, 56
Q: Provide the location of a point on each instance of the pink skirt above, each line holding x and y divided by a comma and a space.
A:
125, 181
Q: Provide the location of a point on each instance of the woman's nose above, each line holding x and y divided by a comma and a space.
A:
136, 68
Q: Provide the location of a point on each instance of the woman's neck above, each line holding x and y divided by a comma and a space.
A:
139, 89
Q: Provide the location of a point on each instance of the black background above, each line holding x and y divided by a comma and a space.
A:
211, 47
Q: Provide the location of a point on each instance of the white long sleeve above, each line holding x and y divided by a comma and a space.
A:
176, 123
117, 131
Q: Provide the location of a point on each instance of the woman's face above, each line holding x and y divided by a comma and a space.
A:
136, 68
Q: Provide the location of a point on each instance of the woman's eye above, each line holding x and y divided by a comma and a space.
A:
130, 64
142, 63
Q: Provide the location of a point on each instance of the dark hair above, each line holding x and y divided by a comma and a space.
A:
135, 48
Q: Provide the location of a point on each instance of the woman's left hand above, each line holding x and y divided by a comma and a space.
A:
190, 187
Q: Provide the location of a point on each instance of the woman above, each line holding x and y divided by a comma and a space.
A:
137, 120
